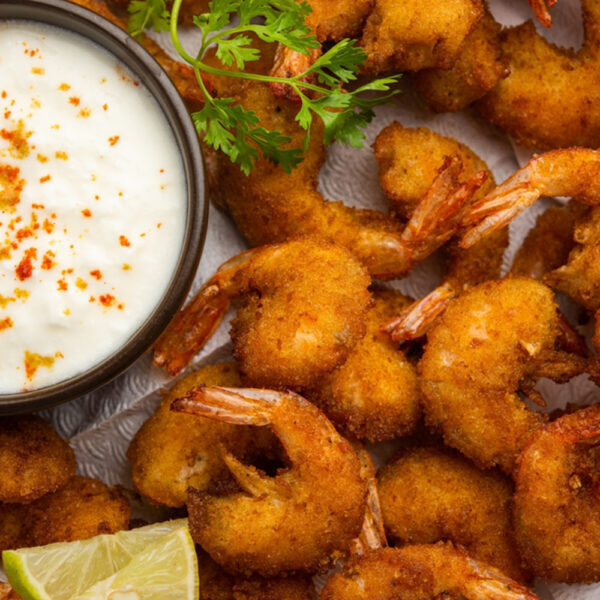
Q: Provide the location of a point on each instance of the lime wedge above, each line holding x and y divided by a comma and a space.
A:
167, 568
61, 571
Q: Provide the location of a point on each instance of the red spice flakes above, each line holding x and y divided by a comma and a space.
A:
61, 155
64, 87
33, 361
126, 267
36, 206
92, 299
42, 158
11, 186
23, 233
25, 268
113, 139
6, 323
48, 226
84, 113
3, 93
17, 139
107, 299
45, 178
47, 262
96, 197
124, 241
74, 100
38, 70
96, 273
162, 171
63, 286
81, 283
86, 212
105, 106
158, 225
7, 113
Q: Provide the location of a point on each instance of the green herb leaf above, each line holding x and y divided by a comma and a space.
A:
144, 14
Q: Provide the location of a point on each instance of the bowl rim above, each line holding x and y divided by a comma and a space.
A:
82, 21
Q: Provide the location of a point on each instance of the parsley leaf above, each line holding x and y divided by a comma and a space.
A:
145, 14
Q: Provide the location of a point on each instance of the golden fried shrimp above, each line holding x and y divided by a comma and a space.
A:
432, 494
270, 206
573, 172
172, 451
478, 69
216, 584
408, 161
548, 244
304, 308
409, 36
494, 340
422, 572
83, 508
34, 459
557, 501
374, 394
300, 520
181, 75
551, 98
14, 527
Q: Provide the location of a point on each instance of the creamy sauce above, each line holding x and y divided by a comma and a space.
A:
92, 205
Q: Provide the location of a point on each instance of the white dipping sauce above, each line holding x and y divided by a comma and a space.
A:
92, 205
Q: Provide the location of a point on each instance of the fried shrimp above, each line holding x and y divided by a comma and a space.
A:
551, 99
34, 459
304, 308
270, 206
557, 501
432, 494
494, 340
14, 527
478, 69
289, 522
573, 172
172, 451
409, 36
422, 572
408, 161
83, 508
374, 394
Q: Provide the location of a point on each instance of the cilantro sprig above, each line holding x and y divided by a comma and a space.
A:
230, 128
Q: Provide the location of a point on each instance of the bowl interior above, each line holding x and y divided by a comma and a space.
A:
118, 42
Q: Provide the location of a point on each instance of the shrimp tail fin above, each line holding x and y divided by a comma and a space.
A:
437, 216
249, 478
488, 583
416, 320
496, 210
238, 406
540, 9
571, 341
289, 63
191, 328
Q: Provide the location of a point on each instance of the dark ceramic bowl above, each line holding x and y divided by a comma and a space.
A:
87, 24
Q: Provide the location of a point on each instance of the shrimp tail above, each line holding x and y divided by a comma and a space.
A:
437, 216
289, 63
488, 583
497, 209
572, 342
540, 9
238, 406
416, 320
249, 478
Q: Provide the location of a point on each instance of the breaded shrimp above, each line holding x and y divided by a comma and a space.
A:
494, 340
423, 572
557, 501
433, 494
478, 69
14, 527
374, 394
410, 36
34, 459
302, 519
408, 161
304, 308
551, 99
270, 206
83, 508
172, 451
548, 244
216, 584
573, 172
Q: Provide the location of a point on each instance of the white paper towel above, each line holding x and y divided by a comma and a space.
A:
101, 424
